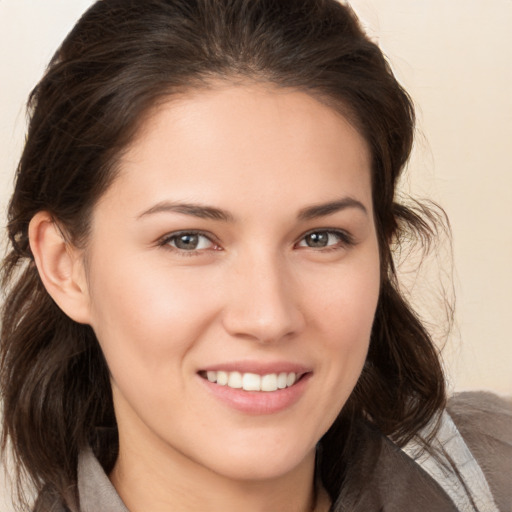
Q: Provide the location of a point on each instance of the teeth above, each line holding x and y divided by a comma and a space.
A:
269, 382
235, 380
253, 381
222, 378
282, 379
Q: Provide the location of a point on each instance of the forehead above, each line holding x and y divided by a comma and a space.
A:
245, 138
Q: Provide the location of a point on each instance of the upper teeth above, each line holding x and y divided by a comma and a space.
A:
253, 381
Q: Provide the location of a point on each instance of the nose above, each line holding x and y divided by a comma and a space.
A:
263, 301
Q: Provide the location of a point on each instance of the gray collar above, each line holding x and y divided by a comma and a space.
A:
94, 488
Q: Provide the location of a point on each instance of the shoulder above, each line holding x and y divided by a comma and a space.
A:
485, 422
474, 408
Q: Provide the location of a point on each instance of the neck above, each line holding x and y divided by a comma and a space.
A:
157, 480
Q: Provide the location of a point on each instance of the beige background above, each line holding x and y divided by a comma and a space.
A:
454, 57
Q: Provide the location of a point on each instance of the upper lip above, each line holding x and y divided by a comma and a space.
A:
258, 367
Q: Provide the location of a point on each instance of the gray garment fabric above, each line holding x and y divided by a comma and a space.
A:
452, 451
393, 482
95, 490
485, 423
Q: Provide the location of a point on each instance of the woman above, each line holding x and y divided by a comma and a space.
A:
202, 310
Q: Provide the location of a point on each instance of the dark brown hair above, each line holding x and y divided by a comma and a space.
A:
121, 58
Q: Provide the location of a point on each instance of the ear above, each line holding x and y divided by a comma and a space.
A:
60, 266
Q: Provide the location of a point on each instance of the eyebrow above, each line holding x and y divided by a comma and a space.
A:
324, 209
210, 212
195, 210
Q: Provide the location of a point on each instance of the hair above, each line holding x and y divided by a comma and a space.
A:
119, 61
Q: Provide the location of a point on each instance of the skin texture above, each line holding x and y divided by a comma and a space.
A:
253, 293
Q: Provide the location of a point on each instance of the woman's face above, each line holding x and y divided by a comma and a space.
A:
237, 247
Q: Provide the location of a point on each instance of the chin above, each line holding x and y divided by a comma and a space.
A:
260, 463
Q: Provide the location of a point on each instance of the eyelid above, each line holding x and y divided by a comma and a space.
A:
346, 239
166, 239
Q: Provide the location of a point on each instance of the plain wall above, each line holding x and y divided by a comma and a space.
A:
454, 57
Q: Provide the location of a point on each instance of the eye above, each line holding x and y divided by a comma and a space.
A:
324, 239
188, 241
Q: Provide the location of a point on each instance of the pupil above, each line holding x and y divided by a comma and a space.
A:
317, 239
187, 242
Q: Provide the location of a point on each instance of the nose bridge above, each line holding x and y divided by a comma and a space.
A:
262, 304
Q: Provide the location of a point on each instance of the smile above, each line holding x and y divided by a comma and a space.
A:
258, 390
252, 381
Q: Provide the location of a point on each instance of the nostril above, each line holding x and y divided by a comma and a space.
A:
263, 325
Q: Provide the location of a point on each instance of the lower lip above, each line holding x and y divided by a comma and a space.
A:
258, 402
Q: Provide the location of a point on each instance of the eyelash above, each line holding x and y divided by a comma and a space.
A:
165, 242
345, 240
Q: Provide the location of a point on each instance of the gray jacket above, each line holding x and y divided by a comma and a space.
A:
478, 440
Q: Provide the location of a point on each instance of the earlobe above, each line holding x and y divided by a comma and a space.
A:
60, 266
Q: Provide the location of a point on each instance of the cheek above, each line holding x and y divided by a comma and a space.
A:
346, 303
341, 319
146, 317
345, 313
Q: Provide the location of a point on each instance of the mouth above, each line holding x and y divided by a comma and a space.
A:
257, 388
267, 383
